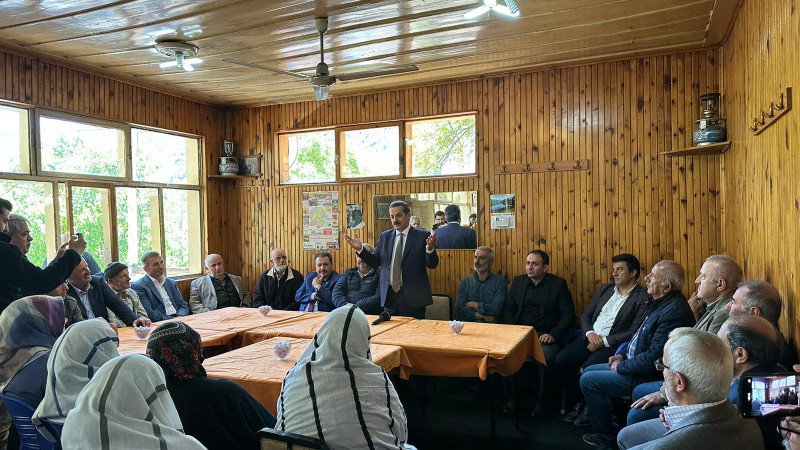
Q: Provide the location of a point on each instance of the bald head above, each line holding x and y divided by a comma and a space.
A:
215, 266
719, 276
665, 277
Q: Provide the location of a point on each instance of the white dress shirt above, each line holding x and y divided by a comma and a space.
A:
605, 320
169, 308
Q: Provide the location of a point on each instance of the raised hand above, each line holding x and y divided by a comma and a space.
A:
77, 243
354, 242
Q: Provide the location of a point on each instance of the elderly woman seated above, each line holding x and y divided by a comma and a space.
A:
335, 392
126, 405
220, 413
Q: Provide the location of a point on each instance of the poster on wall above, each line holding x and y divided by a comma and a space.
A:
502, 211
355, 216
321, 220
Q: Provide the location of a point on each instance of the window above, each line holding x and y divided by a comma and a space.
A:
128, 190
309, 157
14, 140
432, 147
441, 146
69, 146
370, 152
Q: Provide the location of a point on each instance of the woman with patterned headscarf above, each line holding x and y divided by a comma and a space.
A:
74, 360
28, 329
219, 413
126, 405
337, 394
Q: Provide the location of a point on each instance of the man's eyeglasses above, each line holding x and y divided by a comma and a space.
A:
660, 364
786, 431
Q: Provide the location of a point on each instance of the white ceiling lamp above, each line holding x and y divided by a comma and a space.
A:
510, 9
181, 51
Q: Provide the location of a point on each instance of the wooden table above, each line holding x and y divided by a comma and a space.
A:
256, 368
130, 343
307, 325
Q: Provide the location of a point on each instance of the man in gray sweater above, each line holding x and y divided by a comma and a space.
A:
481, 295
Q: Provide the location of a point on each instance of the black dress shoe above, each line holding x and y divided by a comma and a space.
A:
572, 415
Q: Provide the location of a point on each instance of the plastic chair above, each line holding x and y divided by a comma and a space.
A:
29, 436
272, 439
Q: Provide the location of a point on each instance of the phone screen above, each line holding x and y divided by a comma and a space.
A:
769, 395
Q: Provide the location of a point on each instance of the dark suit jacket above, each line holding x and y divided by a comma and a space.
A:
629, 317
416, 286
558, 311
454, 235
151, 299
663, 315
101, 296
324, 294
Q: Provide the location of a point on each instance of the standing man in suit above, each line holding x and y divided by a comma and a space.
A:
217, 289
611, 318
159, 295
541, 300
697, 369
719, 276
453, 235
96, 298
402, 253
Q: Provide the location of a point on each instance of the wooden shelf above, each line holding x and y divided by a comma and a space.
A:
710, 149
233, 177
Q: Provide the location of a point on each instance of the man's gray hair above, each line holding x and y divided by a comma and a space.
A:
208, 258
723, 267
705, 361
149, 255
487, 250
674, 274
368, 247
414, 219
15, 222
764, 296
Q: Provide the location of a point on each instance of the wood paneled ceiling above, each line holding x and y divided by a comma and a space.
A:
117, 38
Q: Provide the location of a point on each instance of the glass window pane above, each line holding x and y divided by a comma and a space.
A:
182, 235
164, 158
308, 157
14, 140
441, 146
91, 215
138, 229
34, 202
371, 152
75, 147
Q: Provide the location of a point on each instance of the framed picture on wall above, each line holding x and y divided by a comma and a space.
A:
250, 165
383, 211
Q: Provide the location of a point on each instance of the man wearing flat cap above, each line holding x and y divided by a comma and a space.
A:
119, 280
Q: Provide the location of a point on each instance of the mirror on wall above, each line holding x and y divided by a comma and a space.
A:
425, 206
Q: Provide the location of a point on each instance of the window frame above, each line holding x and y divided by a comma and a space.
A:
36, 174
404, 149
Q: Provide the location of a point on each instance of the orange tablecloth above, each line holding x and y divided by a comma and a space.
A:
480, 349
256, 368
129, 343
237, 320
306, 326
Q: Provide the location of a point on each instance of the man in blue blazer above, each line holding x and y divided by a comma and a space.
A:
403, 253
453, 235
316, 292
159, 295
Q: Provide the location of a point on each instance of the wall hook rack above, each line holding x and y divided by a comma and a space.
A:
538, 167
775, 111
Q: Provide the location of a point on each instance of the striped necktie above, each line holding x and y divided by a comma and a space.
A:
397, 264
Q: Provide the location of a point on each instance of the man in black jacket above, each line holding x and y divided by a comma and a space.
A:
277, 287
541, 300
19, 277
611, 318
95, 297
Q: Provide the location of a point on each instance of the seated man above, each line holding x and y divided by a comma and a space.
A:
481, 295
316, 293
72, 313
359, 286
20, 233
417, 223
119, 280
613, 315
95, 297
541, 300
666, 310
716, 283
217, 289
453, 235
159, 295
278, 286
697, 367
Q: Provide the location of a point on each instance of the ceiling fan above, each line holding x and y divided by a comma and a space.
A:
510, 9
322, 80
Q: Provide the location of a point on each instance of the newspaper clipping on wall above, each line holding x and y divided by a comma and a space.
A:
321, 220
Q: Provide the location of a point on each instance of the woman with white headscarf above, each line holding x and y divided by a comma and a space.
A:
126, 405
337, 394
74, 360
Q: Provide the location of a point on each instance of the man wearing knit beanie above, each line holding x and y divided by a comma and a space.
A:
118, 278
